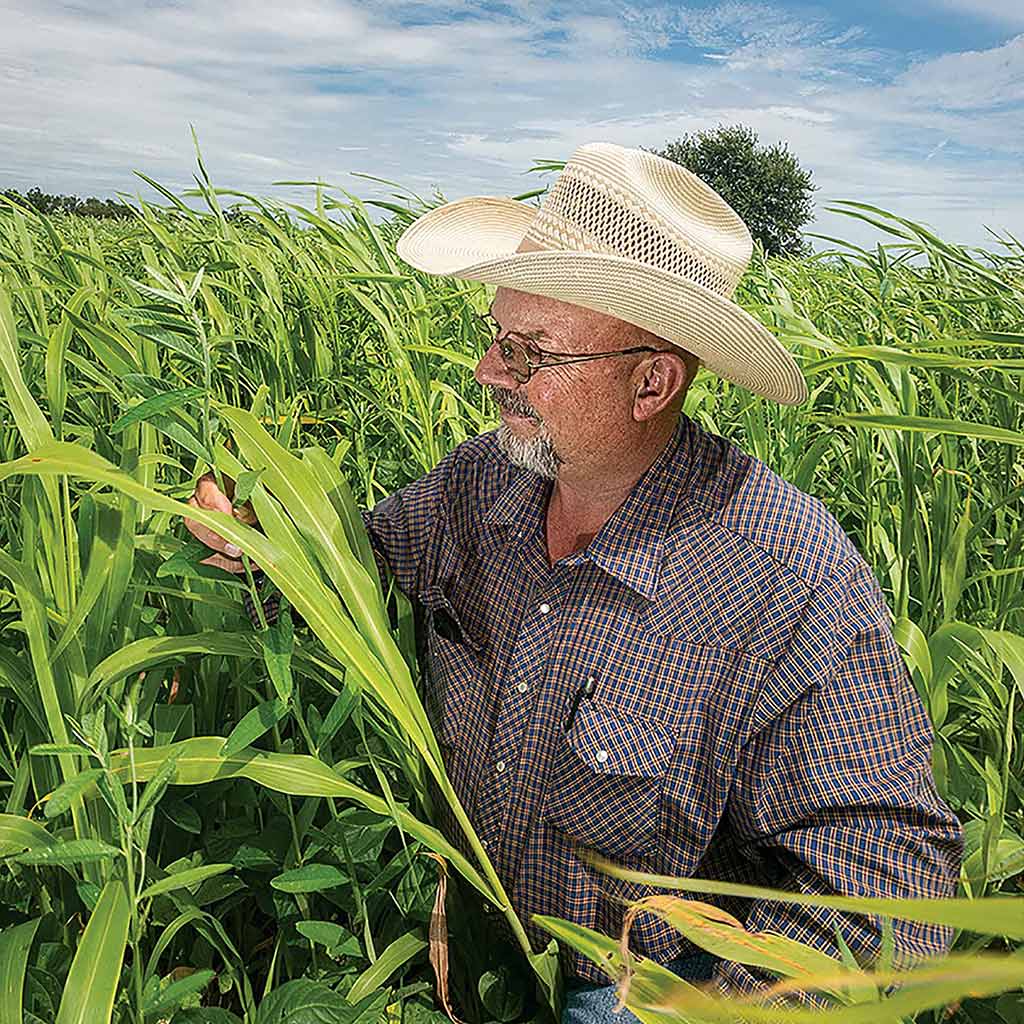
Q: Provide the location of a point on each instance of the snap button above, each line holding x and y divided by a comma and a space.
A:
544, 608
602, 756
522, 687
500, 766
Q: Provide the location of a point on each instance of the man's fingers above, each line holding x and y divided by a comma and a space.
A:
223, 562
211, 539
209, 495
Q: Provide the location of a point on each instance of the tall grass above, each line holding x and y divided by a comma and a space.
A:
276, 850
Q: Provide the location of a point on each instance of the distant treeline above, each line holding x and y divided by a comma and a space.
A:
50, 204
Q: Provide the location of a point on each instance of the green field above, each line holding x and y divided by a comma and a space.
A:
148, 870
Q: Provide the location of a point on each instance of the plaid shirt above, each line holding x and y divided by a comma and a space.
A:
710, 688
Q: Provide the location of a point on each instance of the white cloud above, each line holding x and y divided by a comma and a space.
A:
970, 80
414, 94
802, 114
1002, 12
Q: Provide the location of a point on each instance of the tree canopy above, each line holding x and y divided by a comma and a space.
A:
47, 204
765, 185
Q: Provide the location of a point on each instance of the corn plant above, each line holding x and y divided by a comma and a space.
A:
288, 349
889, 991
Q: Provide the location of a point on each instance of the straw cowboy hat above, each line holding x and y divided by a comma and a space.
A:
627, 233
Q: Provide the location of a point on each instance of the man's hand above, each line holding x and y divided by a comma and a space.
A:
209, 496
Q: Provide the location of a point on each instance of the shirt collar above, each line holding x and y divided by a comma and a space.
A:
631, 544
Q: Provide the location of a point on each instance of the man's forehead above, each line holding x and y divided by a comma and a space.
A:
544, 314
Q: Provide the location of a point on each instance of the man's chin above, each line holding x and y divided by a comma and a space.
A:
535, 453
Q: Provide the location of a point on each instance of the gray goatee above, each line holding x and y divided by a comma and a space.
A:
536, 454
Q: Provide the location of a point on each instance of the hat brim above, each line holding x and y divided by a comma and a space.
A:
476, 239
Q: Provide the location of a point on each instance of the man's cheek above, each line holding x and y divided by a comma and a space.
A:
554, 391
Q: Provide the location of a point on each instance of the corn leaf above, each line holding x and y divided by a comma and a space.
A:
15, 943
995, 915
18, 834
92, 980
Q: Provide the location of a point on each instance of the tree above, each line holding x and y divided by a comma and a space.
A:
48, 204
764, 184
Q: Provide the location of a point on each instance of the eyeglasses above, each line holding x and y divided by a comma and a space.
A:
523, 357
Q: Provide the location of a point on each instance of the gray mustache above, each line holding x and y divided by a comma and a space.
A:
512, 402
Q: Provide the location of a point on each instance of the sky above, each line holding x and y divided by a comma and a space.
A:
915, 106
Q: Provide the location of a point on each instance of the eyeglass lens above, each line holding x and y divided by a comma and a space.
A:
516, 360
516, 356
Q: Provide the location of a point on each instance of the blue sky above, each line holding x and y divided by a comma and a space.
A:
915, 106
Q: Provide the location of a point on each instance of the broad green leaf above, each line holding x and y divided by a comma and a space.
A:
155, 788
278, 642
397, 954
926, 425
340, 494
103, 557
909, 636
170, 998
155, 406
183, 814
187, 562
953, 564
64, 795
244, 485
340, 941
548, 969
18, 833
994, 915
1010, 649
67, 853
309, 878
205, 1015
15, 943
184, 879
500, 995
303, 1001
148, 651
254, 724
199, 761
53, 749
29, 419
337, 715
96, 969
173, 341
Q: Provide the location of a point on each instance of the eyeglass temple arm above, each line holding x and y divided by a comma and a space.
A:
554, 359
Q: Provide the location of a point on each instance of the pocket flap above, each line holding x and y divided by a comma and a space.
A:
614, 744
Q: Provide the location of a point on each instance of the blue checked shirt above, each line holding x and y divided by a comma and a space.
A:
710, 688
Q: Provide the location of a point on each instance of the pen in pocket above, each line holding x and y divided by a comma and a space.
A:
586, 690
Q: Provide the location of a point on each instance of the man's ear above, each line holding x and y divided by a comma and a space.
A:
662, 377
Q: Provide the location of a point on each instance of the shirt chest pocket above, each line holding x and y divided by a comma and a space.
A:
606, 780
452, 668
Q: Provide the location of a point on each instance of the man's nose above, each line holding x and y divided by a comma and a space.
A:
492, 370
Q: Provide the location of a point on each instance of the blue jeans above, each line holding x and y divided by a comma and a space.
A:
588, 1003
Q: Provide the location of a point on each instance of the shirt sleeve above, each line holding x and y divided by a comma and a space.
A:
838, 789
402, 525
400, 528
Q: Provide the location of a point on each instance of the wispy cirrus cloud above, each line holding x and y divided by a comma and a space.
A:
1002, 12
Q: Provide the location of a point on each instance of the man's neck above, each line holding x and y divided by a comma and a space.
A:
583, 499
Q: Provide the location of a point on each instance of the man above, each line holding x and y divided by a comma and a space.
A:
640, 640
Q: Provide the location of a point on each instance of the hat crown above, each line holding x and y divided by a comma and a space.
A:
630, 203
